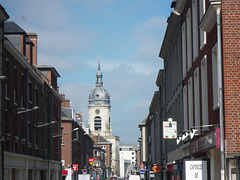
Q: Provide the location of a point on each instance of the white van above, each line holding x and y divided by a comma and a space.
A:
134, 177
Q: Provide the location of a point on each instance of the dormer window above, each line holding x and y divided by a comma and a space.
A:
97, 95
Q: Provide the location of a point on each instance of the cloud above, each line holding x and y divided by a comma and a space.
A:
148, 34
126, 34
78, 93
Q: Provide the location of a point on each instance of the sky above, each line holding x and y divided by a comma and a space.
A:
125, 34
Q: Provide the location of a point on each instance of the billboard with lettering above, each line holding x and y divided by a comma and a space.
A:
195, 169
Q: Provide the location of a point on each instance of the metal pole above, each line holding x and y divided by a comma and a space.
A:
220, 88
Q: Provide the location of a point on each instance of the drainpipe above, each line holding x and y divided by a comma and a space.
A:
3, 104
220, 88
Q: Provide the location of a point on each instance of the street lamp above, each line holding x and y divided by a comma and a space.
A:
3, 77
62, 144
23, 110
75, 129
46, 124
58, 135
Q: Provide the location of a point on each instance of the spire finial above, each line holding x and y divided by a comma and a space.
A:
98, 63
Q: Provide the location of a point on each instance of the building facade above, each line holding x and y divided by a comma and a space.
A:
32, 107
128, 159
201, 81
3, 17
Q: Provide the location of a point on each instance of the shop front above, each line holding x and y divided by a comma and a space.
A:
205, 150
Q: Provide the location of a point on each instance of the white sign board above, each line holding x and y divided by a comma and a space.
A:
169, 129
195, 169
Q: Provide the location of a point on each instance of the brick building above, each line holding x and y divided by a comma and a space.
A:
77, 145
32, 105
102, 153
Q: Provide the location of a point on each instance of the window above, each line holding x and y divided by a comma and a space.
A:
21, 105
36, 97
185, 108
104, 147
95, 153
201, 9
202, 33
215, 78
196, 98
76, 135
30, 91
15, 96
190, 103
189, 40
204, 91
97, 123
195, 29
6, 91
184, 63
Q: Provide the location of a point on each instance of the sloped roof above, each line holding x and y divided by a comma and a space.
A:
66, 112
10, 27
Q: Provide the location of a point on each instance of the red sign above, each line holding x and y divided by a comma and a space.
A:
75, 167
91, 161
64, 172
141, 166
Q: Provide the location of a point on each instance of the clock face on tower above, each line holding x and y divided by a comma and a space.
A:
97, 111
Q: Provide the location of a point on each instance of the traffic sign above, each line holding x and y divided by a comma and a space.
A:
141, 166
142, 171
75, 167
91, 161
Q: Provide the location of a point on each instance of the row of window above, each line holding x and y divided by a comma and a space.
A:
190, 53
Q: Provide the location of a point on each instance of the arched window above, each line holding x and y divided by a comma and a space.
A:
97, 123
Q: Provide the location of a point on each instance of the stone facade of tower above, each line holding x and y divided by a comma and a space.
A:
99, 108
99, 118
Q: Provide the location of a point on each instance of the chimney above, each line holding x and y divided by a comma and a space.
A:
65, 103
79, 117
29, 45
33, 38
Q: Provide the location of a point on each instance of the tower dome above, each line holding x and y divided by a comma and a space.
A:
99, 95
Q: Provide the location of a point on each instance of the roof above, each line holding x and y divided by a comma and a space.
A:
3, 14
66, 112
99, 95
10, 27
47, 67
101, 140
28, 41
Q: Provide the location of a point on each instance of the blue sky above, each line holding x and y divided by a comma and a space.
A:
126, 34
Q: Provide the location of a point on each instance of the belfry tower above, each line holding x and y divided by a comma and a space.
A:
99, 108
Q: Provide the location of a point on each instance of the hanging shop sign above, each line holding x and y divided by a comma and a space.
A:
195, 169
170, 129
